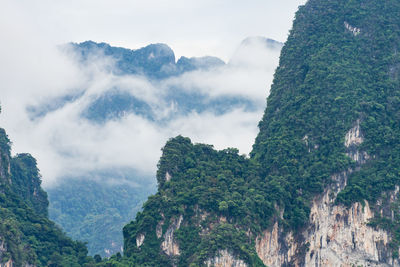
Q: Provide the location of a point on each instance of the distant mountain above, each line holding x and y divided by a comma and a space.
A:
249, 49
269, 43
155, 61
185, 64
95, 211
85, 204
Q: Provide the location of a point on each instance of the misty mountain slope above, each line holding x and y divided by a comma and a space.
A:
131, 112
175, 89
321, 187
27, 236
157, 64
95, 211
155, 61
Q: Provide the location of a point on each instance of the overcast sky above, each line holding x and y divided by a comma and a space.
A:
32, 70
190, 27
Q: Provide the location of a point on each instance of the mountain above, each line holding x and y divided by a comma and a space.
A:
321, 186
95, 211
155, 61
156, 64
86, 203
27, 236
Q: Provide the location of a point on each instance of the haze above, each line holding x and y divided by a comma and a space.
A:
32, 71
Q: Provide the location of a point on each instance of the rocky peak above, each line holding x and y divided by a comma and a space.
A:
327, 155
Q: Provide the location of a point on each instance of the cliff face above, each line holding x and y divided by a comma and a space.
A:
224, 258
336, 235
338, 228
169, 245
321, 187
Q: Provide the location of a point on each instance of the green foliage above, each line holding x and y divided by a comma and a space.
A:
26, 182
29, 236
327, 79
85, 208
225, 236
201, 180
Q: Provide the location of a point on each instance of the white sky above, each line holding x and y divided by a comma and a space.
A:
33, 70
191, 28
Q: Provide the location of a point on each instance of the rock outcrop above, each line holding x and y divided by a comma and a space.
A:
317, 189
336, 235
225, 259
169, 245
139, 240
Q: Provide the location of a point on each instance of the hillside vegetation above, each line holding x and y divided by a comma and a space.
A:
339, 65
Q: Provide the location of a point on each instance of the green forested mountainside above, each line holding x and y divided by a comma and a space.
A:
202, 180
98, 213
26, 234
339, 65
328, 78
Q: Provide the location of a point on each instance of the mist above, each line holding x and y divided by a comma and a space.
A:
68, 145
36, 72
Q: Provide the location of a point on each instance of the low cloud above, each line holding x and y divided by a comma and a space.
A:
68, 145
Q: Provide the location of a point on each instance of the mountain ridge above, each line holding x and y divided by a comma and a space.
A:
156, 61
323, 172
116, 103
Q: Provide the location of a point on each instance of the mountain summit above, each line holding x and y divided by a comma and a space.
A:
321, 187
155, 61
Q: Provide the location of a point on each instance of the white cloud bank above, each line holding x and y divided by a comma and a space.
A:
34, 71
190, 27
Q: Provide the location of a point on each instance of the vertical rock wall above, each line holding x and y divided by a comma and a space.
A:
336, 235
225, 259
169, 245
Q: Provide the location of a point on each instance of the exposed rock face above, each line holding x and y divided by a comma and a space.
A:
353, 139
339, 236
273, 250
169, 245
225, 259
167, 177
8, 264
336, 235
354, 30
354, 136
3, 250
140, 240
159, 227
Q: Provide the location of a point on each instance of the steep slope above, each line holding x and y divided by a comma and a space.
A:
335, 98
27, 237
321, 186
208, 202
